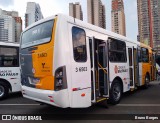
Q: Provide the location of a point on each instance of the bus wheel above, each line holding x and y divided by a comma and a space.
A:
147, 80
3, 91
115, 93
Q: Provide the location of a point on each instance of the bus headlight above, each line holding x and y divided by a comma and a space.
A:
60, 79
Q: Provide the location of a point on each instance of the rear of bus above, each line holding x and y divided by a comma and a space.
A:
41, 80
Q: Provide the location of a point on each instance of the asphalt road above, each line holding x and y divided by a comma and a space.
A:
141, 101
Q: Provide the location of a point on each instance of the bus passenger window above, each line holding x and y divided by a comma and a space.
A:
79, 44
145, 55
117, 51
9, 57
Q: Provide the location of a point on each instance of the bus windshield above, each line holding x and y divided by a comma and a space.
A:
38, 34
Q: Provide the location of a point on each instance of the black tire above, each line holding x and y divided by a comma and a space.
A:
147, 80
115, 93
3, 91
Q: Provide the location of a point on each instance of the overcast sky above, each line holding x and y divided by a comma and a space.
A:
52, 7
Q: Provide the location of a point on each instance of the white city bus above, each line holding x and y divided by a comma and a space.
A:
9, 69
66, 62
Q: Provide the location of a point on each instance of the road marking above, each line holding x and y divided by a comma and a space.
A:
154, 105
19, 104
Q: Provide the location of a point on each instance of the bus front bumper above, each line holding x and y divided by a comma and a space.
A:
55, 98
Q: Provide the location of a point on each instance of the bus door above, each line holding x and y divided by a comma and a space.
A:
154, 65
136, 67
131, 67
99, 69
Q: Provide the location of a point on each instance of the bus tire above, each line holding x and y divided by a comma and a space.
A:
3, 91
115, 93
147, 80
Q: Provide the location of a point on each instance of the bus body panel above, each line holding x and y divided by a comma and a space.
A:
121, 70
63, 53
59, 99
80, 72
122, 73
38, 73
145, 70
12, 75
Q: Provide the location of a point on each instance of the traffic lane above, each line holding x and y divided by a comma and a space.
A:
142, 101
16, 98
151, 95
140, 96
96, 109
128, 105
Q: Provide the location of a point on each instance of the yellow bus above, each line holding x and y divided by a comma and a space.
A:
66, 62
146, 64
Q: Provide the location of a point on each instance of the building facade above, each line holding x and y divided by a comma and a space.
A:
96, 13
149, 22
18, 28
33, 13
144, 22
118, 17
75, 10
10, 26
